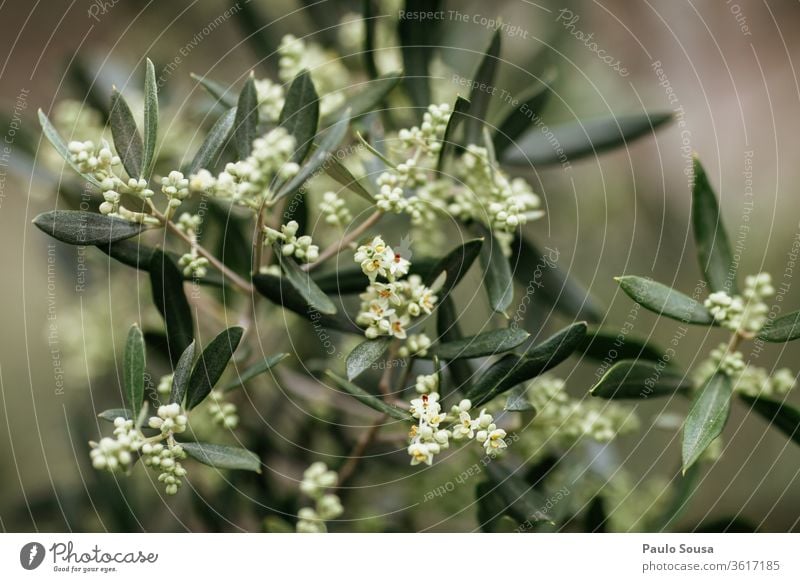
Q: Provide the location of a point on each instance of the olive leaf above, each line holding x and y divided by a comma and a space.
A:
260, 32
339, 172
52, 135
517, 400
303, 284
126, 136
482, 84
458, 116
181, 375
254, 370
525, 113
223, 456
682, 492
218, 91
581, 138
166, 282
134, 369
455, 265
664, 300
245, 124
350, 279
366, 398
783, 329
611, 347
514, 369
449, 331
113, 413
707, 417
369, 38
150, 120
713, 248
211, 365
418, 40
135, 254
497, 277
78, 227
213, 144
781, 415
300, 113
519, 500
487, 343
364, 355
369, 98
638, 379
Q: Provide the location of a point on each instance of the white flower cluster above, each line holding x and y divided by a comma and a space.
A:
223, 413
351, 32
389, 308
327, 70
746, 378
427, 383
164, 386
270, 99
176, 188
117, 453
192, 263
746, 313
301, 248
429, 134
417, 344
334, 209
248, 182
170, 419
430, 436
167, 458
316, 480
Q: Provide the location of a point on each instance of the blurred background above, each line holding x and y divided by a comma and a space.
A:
726, 69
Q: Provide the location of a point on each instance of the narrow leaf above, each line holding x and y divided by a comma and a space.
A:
479, 97
522, 502
302, 282
713, 248
211, 365
366, 398
223, 456
783, 329
339, 172
632, 379
134, 369
213, 144
254, 371
781, 415
460, 113
497, 277
418, 41
369, 38
526, 113
183, 371
581, 138
455, 265
682, 493
52, 135
166, 282
706, 418
245, 124
126, 136
610, 347
483, 344
135, 254
113, 413
664, 300
217, 90
300, 113
366, 100
77, 227
449, 331
150, 120
364, 355
518, 400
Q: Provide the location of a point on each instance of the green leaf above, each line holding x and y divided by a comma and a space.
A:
77, 227
664, 300
150, 120
135, 254
783, 329
491, 507
449, 331
52, 135
637, 379
527, 112
262, 34
781, 415
134, 369
166, 282
367, 100
578, 139
302, 282
455, 265
281, 292
366, 398
418, 40
126, 136
331, 139
482, 86
457, 117
543, 279
487, 343
497, 276
245, 124
610, 347
514, 369
223, 456
521, 501
706, 418
350, 279
217, 90
211, 365
113, 413
364, 355
254, 370
682, 492
339, 172
713, 248
213, 144
300, 113
183, 371
369, 18
518, 400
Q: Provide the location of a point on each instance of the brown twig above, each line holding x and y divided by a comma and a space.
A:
345, 241
355, 456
